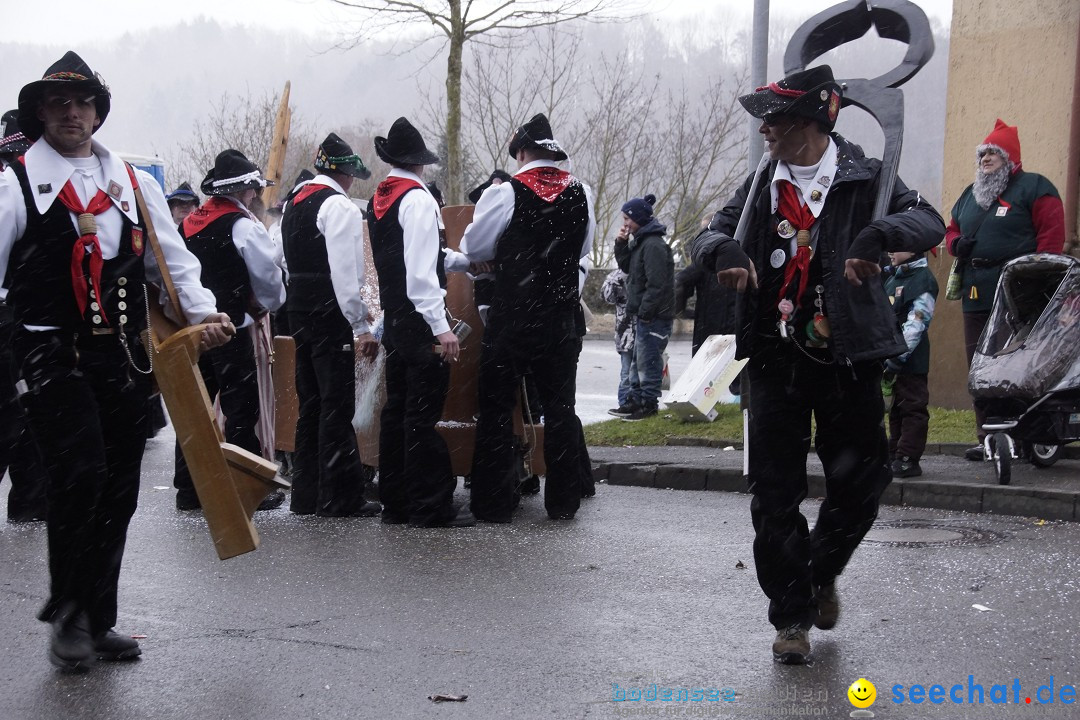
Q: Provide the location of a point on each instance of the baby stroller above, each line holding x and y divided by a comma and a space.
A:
1026, 366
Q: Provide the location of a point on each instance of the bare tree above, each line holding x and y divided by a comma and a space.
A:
460, 21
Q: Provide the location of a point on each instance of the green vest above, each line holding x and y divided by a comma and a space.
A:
1006, 232
903, 289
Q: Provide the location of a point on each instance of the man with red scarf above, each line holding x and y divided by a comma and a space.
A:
73, 252
816, 326
535, 228
416, 483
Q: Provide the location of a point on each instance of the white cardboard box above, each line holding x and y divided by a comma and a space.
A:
704, 385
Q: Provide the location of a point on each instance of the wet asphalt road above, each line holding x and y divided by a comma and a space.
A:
353, 619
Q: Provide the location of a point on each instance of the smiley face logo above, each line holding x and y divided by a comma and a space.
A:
862, 693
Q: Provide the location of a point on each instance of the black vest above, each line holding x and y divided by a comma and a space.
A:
223, 270
537, 256
388, 251
310, 288
39, 273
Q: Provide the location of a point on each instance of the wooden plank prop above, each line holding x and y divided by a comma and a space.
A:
275, 164
230, 481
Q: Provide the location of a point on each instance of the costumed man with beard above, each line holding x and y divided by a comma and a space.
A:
535, 228
416, 482
816, 326
1004, 214
323, 238
18, 453
72, 247
238, 267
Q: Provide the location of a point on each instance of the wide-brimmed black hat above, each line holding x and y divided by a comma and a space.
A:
335, 155
232, 172
12, 141
183, 193
476, 192
404, 145
536, 133
811, 93
70, 71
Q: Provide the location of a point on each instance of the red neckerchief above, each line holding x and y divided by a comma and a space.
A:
389, 191
210, 211
307, 191
800, 216
547, 182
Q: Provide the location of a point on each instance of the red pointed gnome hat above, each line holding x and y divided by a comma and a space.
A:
1006, 138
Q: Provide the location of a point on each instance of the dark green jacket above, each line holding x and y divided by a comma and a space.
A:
650, 287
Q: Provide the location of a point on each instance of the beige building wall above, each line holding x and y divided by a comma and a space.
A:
1019, 61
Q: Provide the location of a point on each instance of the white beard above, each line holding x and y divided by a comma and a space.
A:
989, 186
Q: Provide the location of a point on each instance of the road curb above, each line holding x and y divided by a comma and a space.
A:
966, 497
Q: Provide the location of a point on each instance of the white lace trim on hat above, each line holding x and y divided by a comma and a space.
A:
549, 144
253, 175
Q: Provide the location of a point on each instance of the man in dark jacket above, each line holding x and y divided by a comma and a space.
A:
642, 254
816, 325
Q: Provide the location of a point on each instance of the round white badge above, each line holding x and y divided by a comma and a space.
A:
777, 258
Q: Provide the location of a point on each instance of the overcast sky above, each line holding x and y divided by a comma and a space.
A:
75, 22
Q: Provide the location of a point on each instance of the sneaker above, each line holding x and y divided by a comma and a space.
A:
792, 645
640, 414
622, 411
975, 453
111, 646
828, 606
530, 485
904, 466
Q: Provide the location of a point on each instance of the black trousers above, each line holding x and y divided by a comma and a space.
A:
550, 349
87, 409
974, 322
327, 474
786, 388
415, 476
18, 452
229, 374
909, 418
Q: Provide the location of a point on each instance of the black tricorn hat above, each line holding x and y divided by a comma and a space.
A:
232, 172
536, 133
335, 155
403, 145
811, 93
476, 192
70, 71
182, 194
12, 141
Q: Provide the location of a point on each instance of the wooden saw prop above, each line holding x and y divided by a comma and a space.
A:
230, 481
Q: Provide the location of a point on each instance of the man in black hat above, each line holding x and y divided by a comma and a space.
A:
535, 228
815, 324
497, 177
18, 452
238, 267
323, 238
72, 247
182, 202
416, 483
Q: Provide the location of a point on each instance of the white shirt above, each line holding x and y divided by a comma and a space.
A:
48, 171
256, 249
420, 217
810, 180
494, 211
342, 224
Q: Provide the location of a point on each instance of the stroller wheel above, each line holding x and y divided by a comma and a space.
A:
1001, 450
1043, 456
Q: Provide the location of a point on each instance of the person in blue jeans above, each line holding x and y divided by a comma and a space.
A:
644, 255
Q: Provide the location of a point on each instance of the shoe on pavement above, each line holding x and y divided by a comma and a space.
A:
71, 648
530, 485
976, 453
828, 606
904, 466
272, 501
111, 646
640, 414
622, 411
792, 645
461, 518
187, 500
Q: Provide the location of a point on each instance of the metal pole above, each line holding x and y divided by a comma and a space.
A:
759, 69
